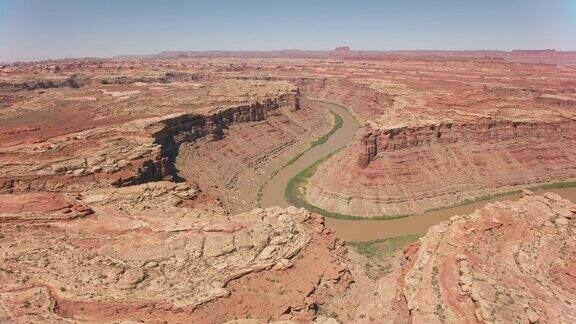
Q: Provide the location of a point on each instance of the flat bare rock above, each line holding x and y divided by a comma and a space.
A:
132, 254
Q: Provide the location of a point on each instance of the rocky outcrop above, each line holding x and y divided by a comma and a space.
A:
41, 206
167, 77
408, 169
369, 143
190, 127
482, 131
508, 262
73, 81
89, 231
172, 131
182, 263
436, 136
136, 152
342, 50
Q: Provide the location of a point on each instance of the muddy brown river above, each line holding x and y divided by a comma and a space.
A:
367, 230
273, 191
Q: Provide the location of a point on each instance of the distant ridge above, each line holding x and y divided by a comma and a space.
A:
549, 56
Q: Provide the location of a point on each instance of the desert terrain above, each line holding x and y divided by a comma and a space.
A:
293, 186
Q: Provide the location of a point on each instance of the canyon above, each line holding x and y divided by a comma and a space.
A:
158, 189
406, 170
435, 138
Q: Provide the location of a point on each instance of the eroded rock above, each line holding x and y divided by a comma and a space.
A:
518, 270
134, 251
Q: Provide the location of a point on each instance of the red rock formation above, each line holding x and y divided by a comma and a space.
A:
436, 135
41, 206
171, 132
74, 153
366, 103
140, 257
237, 165
343, 50
508, 262
409, 169
437, 130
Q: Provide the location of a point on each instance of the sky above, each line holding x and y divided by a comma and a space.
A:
42, 29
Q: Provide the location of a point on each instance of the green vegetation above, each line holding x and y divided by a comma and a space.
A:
383, 248
367, 249
295, 194
556, 185
295, 191
338, 122
468, 201
379, 253
337, 125
552, 185
321, 140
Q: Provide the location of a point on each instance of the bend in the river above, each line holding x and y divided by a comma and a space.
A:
273, 192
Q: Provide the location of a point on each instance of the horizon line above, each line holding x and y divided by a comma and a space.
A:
352, 51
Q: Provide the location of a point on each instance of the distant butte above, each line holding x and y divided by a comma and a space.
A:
342, 50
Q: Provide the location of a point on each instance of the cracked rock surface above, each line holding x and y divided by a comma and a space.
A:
137, 255
509, 262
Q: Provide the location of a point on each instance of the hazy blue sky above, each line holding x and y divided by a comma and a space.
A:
35, 29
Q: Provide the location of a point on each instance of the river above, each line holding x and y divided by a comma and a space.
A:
273, 191
367, 230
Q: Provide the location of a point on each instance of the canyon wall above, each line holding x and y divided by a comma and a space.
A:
89, 232
172, 131
365, 103
236, 163
454, 273
405, 170
257, 138
434, 137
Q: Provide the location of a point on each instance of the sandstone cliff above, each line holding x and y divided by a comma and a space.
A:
90, 232
129, 152
437, 132
404, 170
237, 164
365, 103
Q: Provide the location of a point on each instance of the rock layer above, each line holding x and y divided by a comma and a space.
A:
238, 164
509, 262
366, 103
406, 170
90, 232
440, 133
530, 279
139, 256
127, 151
